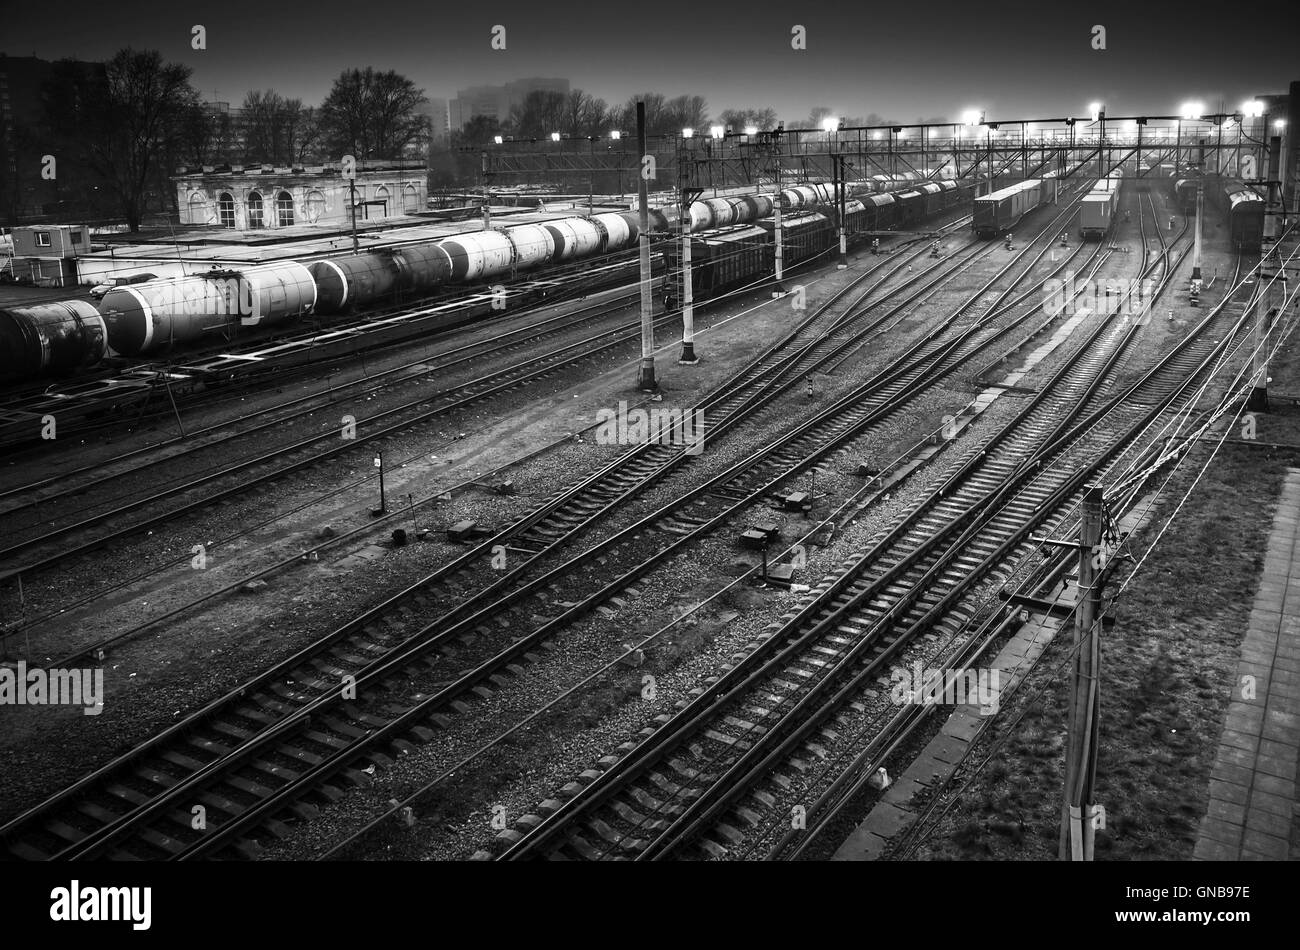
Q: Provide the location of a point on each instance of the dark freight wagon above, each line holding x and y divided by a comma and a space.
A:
993, 214
1243, 211
726, 259
803, 236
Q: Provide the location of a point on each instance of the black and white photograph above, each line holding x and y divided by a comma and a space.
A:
438, 435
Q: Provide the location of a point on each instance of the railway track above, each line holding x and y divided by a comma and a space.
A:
366, 384
233, 478
289, 730
34, 399
230, 480
1046, 576
719, 778
454, 592
289, 668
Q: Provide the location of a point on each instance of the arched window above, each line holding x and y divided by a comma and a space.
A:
255, 210
284, 209
198, 208
381, 194
315, 205
410, 200
226, 210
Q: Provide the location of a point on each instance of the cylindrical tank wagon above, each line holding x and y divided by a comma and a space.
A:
153, 317
51, 338
344, 283
150, 318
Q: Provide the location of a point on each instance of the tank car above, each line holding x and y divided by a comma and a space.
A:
345, 283
154, 316
50, 338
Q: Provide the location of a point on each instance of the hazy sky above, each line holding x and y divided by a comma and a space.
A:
898, 59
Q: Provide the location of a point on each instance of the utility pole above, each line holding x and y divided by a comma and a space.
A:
1257, 401
778, 290
1178, 144
840, 192
1195, 292
686, 195
487, 195
645, 377
1085, 688
349, 167
1271, 166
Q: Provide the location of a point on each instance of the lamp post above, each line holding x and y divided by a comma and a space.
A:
1069, 155
972, 118
778, 248
988, 148
832, 125
688, 356
616, 136
1098, 113
645, 379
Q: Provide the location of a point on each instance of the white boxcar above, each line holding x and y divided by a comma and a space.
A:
1097, 209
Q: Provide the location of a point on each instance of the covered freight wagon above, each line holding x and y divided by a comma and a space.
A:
1002, 210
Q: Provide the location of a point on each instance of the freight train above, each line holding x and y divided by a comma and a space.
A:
1241, 207
1097, 208
732, 257
1002, 210
152, 317
51, 338
1185, 194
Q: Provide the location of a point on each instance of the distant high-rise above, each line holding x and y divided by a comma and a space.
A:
25, 192
439, 122
496, 101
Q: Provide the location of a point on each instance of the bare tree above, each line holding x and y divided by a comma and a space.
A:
372, 114
126, 123
688, 112
541, 113
816, 116
657, 119
738, 119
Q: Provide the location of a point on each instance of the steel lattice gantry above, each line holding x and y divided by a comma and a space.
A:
1144, 146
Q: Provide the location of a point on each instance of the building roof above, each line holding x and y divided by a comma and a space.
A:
328, 170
